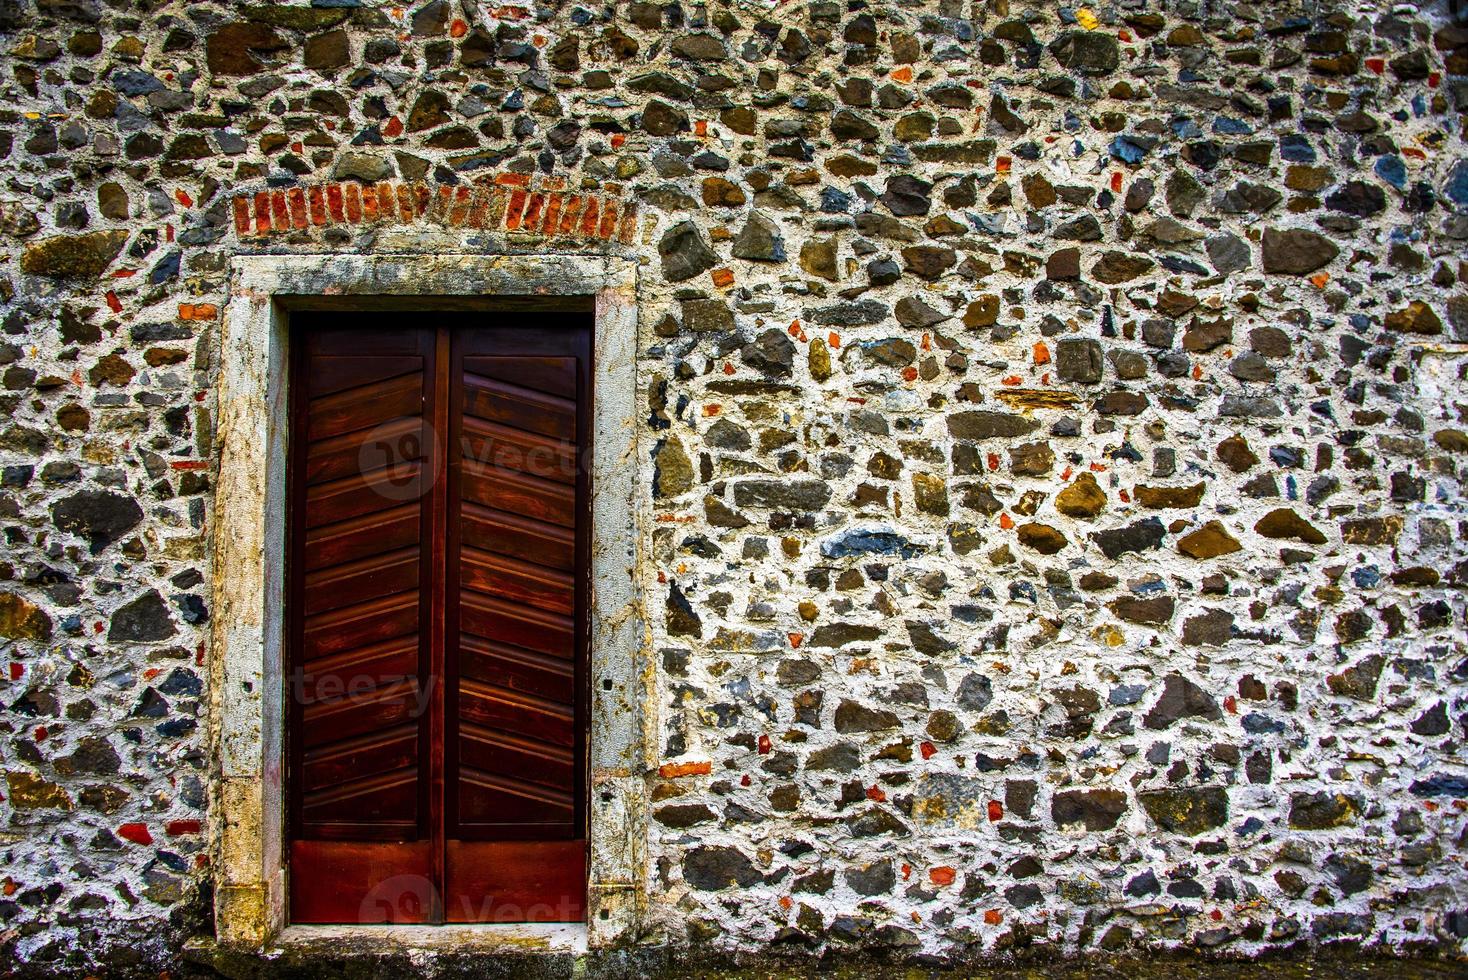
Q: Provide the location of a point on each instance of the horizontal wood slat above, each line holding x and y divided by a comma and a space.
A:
520, 408
517, 536
552, 375
508, 448
519, 493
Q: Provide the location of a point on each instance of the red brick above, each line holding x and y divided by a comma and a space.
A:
460, 212
280, 213
183, 828
241, 216
608, 220
262, 213
588, 218
369, 203
570, 208
354, 203
516, 206
334, 202
387, 203
629, 224
512, 180
531, 219
481, 211
318, 206
297, 199
552, 214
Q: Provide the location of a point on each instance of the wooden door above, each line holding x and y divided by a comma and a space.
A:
439, 594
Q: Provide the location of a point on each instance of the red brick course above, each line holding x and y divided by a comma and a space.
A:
511, 203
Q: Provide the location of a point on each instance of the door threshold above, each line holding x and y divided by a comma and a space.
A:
505, 938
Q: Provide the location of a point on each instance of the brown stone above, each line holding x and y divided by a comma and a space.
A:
673, 473
234, 49
1036, 397
1116, 267
73, 418
930, 493
819, 259
1031, 459
1209, 541
1416, 318
1147, 612
1285, 523
1082, 498
164, 356
850, 166
112, 369
721, 193
927, 261
1322, 811
743, 120
1295, 251
1064, 263
73, 256
1235, 453
23, 620
1161, 498
1204, 335
1038, 191
982, 312
1301, 177
1451, 440
661, 119
1041, 537
913, 127
818, 360
112, 201
30, 792
325, 52
1189, 812
1372, 530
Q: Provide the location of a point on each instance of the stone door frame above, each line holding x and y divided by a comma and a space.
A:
247, 682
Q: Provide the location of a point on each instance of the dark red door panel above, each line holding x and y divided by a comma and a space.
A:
361, 740
439, 587
516, 759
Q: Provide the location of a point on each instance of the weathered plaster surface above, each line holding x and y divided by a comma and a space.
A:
1046, 523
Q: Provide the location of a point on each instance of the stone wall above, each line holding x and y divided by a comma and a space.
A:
1058, 412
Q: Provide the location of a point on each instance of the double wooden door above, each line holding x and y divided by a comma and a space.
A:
438, 594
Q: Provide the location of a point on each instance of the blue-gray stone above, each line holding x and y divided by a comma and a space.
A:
1390, 168
868, 541
1441, 784
1456, 188
132, 83
1126, 694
